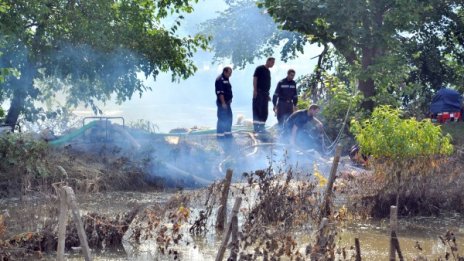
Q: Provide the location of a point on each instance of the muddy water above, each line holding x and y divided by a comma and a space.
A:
373, 235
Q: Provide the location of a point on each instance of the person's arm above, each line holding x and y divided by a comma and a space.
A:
318, 123
276, 96
223, 101
255, 86
293, 137
295, 99
220, 93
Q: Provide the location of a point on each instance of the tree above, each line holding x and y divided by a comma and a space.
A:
90, 50
243, 32
363, 32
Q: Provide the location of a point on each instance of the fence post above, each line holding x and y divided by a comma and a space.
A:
225, 240
358, 249
328, 192
62, 222
221, 218
71, 199
234, 239
393, 228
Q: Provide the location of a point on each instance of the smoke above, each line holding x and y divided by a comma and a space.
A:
195, 160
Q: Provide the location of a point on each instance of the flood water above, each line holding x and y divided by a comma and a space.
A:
373, 235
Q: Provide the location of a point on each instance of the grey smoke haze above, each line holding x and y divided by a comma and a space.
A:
192, 102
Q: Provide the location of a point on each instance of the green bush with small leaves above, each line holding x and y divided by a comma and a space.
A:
23, 163
387, 136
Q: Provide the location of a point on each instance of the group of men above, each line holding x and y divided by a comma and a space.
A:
285, 100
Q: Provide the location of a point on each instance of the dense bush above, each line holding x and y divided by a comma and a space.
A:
387, 136
408, 158
22, 160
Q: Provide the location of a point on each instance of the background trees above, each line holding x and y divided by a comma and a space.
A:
89, 50
399, 51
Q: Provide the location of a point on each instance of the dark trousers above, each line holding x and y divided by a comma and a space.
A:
284, 110
260, 111
224, 123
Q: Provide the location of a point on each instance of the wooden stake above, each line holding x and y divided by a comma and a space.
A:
234, 240
71, 199
62, 222
325, 211
228, 231
393, 228
358, 249
221, 218
396, 244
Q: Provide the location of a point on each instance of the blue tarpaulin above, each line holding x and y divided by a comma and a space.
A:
446, 100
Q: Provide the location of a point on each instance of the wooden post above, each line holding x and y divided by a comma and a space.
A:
225, 240
328, 192
358, 249
396, 243
234, 240
393, 228
221, 218
62, 222
71, 199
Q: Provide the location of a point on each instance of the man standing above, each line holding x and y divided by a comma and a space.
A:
261, 98
298, 119
285, 97
223, 101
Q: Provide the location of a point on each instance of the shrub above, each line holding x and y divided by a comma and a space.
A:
387, 136
403, 153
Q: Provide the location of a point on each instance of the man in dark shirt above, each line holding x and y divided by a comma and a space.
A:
261, 98
223, 101
298, 119
285, 97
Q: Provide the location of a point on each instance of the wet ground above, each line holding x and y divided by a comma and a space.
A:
373, 235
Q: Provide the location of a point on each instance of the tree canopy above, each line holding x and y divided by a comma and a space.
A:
89, 50
400, 51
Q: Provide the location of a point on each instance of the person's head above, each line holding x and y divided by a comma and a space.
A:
227, 71
290, 74
270, 62
313, 109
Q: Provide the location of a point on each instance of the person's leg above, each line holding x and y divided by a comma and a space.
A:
262, 111
284, 110
220, 128
228, 122
255, 114
265, 112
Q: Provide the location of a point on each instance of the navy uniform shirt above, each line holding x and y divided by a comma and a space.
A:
264, 79
223, 87
298, 118
285, 92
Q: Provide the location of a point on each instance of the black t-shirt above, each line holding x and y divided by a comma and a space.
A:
223, 87
264, 78
298, 118
285, 91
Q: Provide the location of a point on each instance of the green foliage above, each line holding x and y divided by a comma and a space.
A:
23, 154
340, 98
91, 50
243, 33
387, 45
386, 135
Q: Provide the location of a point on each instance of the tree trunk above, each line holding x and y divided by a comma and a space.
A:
16, 107
366, 85
24, 87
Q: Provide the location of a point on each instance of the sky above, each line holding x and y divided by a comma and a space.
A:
191, 102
